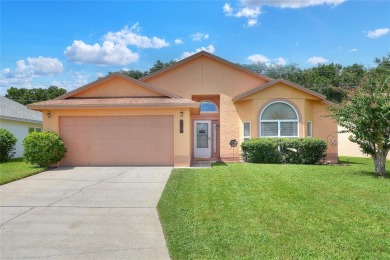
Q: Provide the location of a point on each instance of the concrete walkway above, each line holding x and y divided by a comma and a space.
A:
84, 213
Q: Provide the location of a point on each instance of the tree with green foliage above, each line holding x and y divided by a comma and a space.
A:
351, 76
26, 96
258, 67
7, 145
159, 65
137, 74
365, 114
332, 80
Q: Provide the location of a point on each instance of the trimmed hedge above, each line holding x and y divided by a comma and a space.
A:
284, 150
7, 145
43, 148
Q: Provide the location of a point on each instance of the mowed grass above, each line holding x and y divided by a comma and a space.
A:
263, 211
16, 169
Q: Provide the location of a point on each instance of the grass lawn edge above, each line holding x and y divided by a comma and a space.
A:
16, 169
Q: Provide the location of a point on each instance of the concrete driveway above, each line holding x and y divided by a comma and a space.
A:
84, 213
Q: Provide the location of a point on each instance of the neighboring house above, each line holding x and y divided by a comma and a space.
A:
188, 111
19, 120
347, 148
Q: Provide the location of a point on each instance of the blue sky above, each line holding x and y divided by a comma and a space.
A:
71, 43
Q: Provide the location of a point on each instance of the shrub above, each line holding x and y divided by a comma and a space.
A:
261, 150
43, 148
302, 150
284, 150
7, 145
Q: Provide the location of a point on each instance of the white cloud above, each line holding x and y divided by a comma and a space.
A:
178, 41
108, 53
130, 36
248, 12
378, 33
101, 74
227, 9
251, 22
199, 36
210, 48
280, 61
353, 50
28, 69
32, 67
18, 82
114, 50
316, 60
74, 80
290, 3
251, 9
259, 58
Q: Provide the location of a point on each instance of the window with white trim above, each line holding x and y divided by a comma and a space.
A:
309, 129
32, 129
279, 119
246, 127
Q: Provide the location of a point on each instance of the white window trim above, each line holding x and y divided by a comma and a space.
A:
278, 121
34, 129
243, 130
311, 129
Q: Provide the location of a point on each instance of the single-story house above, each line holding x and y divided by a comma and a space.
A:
188, 111
19, 120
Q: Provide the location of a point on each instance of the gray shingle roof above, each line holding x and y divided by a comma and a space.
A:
12, 110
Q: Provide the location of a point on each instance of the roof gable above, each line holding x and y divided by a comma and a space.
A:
117, 85
205, 74
307, 93
208, 55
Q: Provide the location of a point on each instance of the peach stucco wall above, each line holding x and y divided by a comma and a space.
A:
309, 108
116, 87
182, 156
205, 76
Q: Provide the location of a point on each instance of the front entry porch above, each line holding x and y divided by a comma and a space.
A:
205, 129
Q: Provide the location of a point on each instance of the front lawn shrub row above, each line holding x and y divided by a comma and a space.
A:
7, 145
43, 148
284, 150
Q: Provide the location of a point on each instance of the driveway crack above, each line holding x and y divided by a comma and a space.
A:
88, 186
119, 174
20, 214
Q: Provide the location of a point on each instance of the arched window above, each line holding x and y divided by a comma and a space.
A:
279, 119
208, 106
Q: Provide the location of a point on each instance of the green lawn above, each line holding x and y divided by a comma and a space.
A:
16, 169
249, 211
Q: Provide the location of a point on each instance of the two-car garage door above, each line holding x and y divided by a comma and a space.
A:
122, 140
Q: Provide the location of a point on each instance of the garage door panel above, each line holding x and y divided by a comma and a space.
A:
125, 140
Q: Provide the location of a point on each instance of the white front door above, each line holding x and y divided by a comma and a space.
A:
202, 139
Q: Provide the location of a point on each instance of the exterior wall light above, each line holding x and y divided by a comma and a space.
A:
49, 114
181, 122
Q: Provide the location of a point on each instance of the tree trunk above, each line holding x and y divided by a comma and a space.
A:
380, 163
